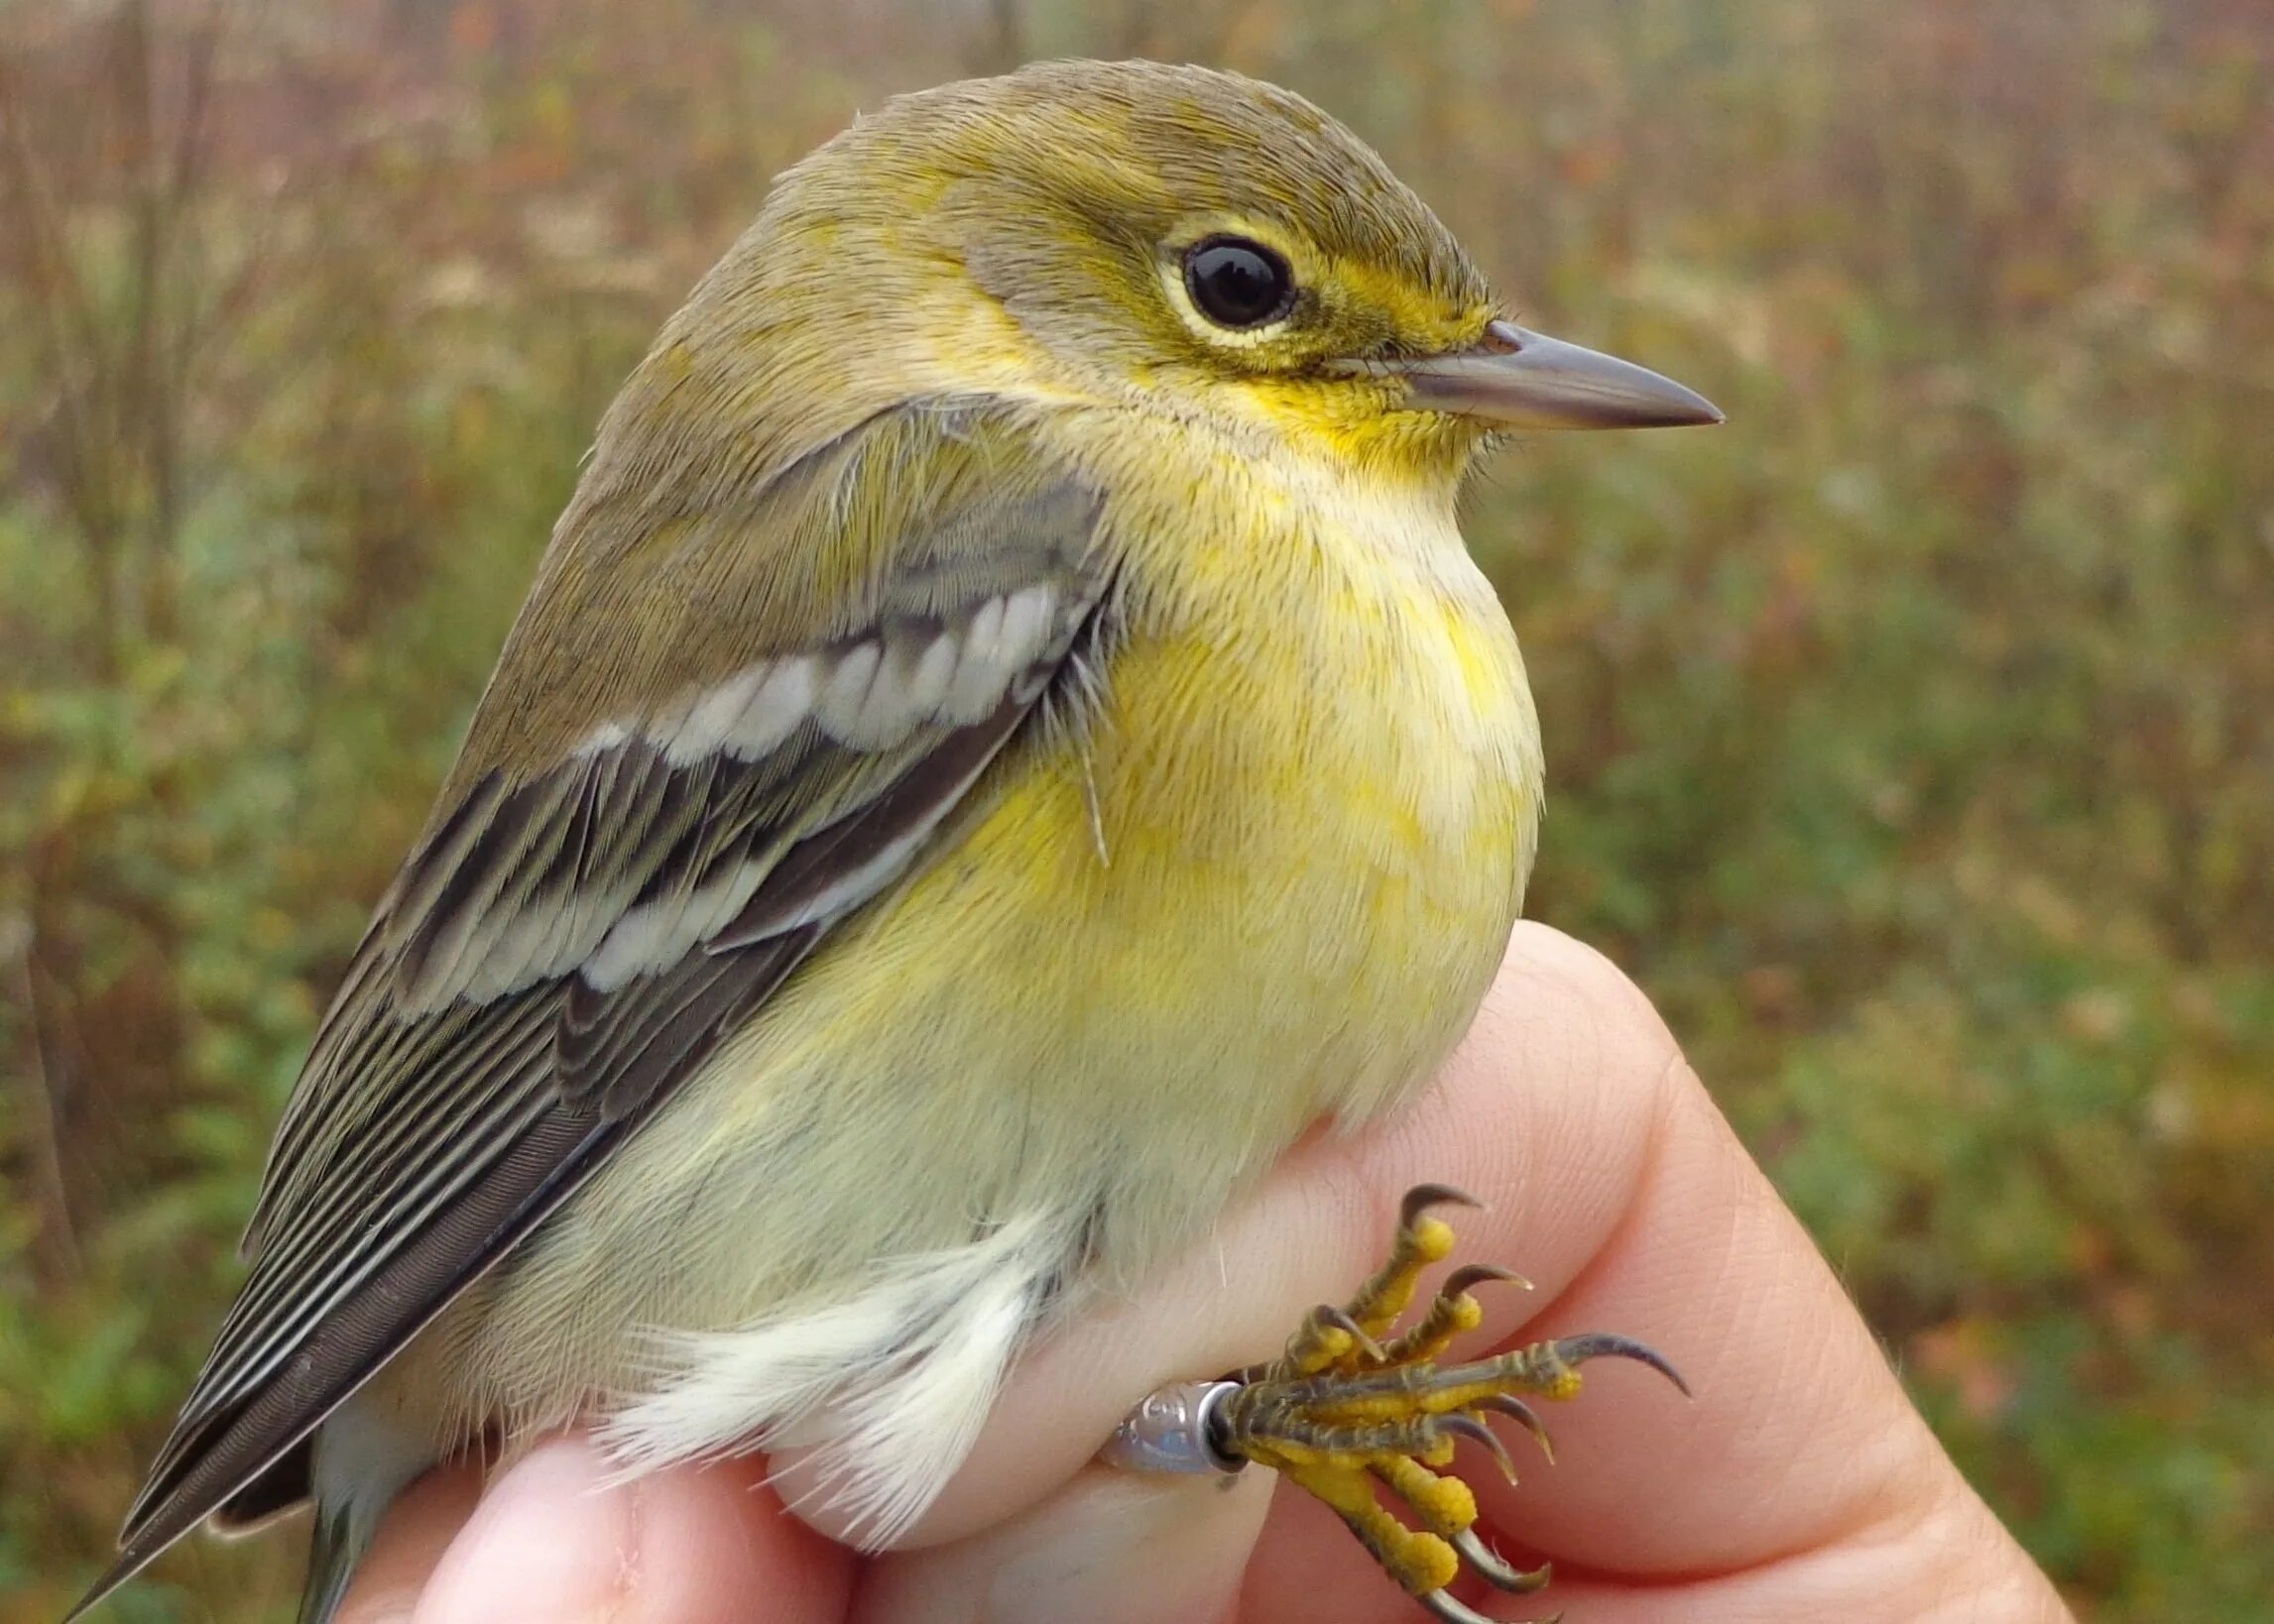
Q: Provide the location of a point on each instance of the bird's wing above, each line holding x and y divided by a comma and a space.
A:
570, 940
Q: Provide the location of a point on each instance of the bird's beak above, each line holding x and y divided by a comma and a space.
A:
1520, 378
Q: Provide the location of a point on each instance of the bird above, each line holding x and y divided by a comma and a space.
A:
1004, 738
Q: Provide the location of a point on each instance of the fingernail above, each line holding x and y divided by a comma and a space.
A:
1180, 1546
1114, 1547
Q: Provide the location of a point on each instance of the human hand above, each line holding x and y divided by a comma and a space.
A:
1799, 1484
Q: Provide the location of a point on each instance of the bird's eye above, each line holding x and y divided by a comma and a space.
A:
1238, 284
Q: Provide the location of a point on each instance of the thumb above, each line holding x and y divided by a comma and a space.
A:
556, 1538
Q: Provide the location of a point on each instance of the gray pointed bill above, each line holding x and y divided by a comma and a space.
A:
1519, 379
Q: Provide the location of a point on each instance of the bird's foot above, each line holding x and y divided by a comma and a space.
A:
1353, 1404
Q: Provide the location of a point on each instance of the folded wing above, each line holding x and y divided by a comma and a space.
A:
568, 943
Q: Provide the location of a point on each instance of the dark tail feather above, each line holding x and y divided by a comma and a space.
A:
333, 1552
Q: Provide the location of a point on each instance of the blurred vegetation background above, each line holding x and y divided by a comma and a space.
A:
1912, 737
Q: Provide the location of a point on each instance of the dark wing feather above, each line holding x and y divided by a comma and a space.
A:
562, 951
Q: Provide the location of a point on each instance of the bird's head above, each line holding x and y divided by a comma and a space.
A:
1169, 239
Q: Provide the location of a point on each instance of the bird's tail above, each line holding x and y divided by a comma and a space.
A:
359, 1465
333, 1552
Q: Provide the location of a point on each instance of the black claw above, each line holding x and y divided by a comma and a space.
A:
1422, 1197
1471, 1426
1508, 1404
1476, 1274
1442, 1605
1498, 1571
1598, 1345
1326, 1313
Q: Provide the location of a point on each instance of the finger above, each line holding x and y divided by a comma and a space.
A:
1800, 1434
557, 1540
1801, 1483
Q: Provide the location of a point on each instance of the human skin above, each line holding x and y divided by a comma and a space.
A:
1797, 1484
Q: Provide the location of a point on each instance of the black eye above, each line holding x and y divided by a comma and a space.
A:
1236, 282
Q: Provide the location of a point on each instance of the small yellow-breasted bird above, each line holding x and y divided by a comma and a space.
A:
1005, 738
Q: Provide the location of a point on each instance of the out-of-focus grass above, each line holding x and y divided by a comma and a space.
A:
1912, 737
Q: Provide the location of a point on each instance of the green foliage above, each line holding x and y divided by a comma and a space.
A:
1912, 737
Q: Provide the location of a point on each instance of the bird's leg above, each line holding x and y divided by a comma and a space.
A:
1349, 1406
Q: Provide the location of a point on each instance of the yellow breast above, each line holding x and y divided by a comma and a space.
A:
1317, 770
